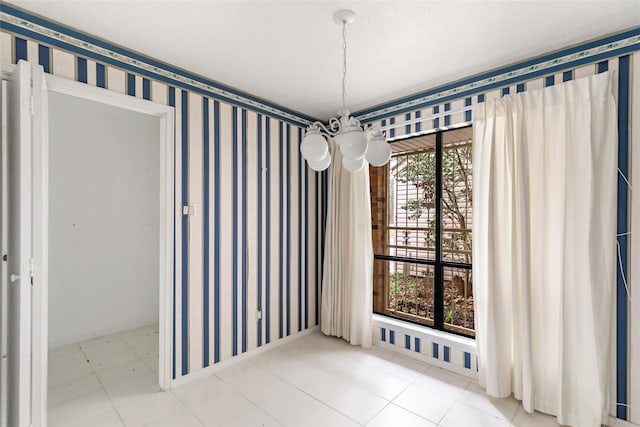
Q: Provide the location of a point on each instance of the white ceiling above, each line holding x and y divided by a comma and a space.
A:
289, 52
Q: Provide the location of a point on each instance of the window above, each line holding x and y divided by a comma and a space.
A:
422, 217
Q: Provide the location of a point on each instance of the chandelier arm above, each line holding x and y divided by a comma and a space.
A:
335, 125
354, 122
333, 129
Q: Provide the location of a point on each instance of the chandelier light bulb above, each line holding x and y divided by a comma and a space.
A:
378, 151
352, 165
353, 143
314, 147
321, 164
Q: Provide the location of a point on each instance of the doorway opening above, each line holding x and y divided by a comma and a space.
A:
103, 273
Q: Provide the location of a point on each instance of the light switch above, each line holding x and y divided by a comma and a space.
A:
189, 210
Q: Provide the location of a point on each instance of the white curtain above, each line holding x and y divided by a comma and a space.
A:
544, 244
348, 256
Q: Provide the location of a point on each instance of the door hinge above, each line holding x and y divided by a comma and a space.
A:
31, 109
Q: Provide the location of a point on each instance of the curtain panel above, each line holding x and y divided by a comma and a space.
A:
347, 283
544, 247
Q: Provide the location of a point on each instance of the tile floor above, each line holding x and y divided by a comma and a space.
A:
312, 381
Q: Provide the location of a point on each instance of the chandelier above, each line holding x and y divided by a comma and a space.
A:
355, 144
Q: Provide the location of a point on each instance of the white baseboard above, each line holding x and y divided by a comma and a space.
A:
239, 358
615, 422
469, 373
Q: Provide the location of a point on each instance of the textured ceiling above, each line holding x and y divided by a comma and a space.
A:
289, 52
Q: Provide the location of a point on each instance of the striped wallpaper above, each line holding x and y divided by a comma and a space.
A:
246, 266
618, 53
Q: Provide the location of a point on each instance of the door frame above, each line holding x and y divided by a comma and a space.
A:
166, 115
166, 244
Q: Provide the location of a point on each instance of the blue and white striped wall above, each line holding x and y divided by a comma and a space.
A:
448, 351
247, 267
618, 53
247, 263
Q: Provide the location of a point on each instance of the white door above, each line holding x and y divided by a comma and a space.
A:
19, 262
4, 227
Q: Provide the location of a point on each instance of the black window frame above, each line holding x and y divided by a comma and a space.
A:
439, 264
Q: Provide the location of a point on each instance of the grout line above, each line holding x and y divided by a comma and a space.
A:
355, 382
389, 402
448, 411
421, 416
275, 375
254, 404
485, 395
187, 407
94, 372
251, 401
279, 378
352, 381
104, 390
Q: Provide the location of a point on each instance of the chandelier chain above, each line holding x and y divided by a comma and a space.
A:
344, 62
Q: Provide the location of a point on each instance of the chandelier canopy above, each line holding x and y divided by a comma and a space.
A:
355, 144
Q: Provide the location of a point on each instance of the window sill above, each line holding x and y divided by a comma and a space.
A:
457, 342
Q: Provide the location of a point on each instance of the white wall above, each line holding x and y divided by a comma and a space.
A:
104, 210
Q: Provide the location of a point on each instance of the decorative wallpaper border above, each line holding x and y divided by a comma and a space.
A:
41, 29
602, 49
